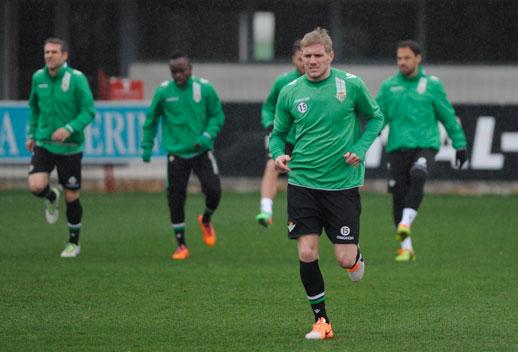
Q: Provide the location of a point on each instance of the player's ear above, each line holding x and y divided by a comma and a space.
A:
331, 55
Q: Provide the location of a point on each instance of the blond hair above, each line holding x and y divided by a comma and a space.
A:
318, 36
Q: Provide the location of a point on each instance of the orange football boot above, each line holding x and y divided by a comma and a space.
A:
207, 232
321, 330
182, 252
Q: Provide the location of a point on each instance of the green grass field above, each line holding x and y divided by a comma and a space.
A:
124, 293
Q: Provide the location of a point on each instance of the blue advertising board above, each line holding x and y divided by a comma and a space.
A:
113, 137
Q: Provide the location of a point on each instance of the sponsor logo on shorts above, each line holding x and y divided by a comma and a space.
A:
171, 158
421, 161
291, 226
31, 167
72, 180
344, 233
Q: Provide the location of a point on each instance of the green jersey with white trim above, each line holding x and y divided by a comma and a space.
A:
61, 101
327, 125
412, 107
192, 117
268, 107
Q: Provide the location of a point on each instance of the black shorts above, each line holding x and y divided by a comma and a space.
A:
203, 165
401, 162
68, 166
311, 210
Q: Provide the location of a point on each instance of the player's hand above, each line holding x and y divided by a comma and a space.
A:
146, 155
352, 159
461, 156
281, 164
60, 135
29, 144
202, 143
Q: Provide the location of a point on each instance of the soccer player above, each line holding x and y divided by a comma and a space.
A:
192, 117
61, 106
270, 175
326, 167
413, 102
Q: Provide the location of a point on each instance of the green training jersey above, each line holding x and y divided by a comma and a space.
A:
412, 108
268, 108
325, 115
188, 113
64, 100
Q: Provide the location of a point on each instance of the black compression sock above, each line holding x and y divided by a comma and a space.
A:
179, 233
74, 216
207, 214
314, 284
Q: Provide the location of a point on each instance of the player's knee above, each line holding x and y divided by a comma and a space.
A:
346, 261
213, 191
71, 195
308, 255
418, 173
38, 190
175, 196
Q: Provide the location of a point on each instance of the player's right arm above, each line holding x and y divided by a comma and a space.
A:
381, 99
150, 126
281, 126
34, 112
268, 108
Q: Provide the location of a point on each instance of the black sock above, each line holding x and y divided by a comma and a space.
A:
358, 256
207, 214
314, 284
51, 195
74, 216
179, 233
46, 193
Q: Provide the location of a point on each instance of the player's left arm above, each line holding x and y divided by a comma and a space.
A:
34, 113
85, 99
446, 114
367, 106
215, 119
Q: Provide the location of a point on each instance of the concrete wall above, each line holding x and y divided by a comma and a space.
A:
251, 82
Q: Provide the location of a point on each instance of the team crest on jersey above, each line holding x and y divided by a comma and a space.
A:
341, 92
196, 92
65, 83
302, 107
421, 86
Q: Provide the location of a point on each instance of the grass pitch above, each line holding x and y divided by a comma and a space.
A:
124, 293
